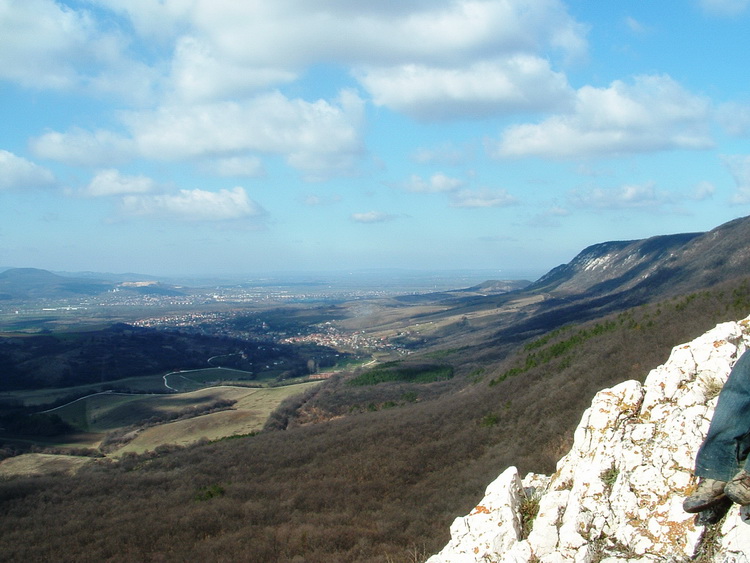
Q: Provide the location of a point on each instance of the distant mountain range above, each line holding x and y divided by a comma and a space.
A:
34, 283
605, 276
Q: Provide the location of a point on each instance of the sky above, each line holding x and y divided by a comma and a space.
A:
188, 137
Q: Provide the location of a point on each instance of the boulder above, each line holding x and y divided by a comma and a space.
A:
617, 494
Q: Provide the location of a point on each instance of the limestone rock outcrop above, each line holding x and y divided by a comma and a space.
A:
617, 495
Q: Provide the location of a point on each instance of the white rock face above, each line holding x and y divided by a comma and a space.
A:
617, 495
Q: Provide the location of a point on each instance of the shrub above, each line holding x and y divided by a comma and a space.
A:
209, 492
489, 420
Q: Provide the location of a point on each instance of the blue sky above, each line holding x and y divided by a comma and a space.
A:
213, 136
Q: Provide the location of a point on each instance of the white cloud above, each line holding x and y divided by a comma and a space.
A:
403, 52
477, 57
654, 113
156, 20
632, 196
194, 205
235, 166
318, 138
83, 148
18, 173
724, 7
321, 138
46, 44
293, 33
40, 41
739, 168
372, 217
514, 84
703, 191
437, 183
735, 118
111, 182
483, 198
198, 74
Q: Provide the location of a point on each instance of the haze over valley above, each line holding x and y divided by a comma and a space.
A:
386, 397
294, 281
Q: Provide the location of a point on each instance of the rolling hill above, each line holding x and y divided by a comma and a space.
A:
33, 283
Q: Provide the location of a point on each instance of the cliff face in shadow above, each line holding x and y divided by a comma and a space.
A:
617, 495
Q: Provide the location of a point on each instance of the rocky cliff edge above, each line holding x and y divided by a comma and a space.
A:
617, 495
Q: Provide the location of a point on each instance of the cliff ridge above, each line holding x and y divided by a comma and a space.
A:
617, 495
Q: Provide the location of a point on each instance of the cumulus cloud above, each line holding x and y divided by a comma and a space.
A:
514, 84
432, 60
653, 113
247, 166
292, 33
79, 147
46, 44
631, 196
194, 205
318, 138
437, 183
199, 74
111, 182
478, 56
372, 217
40, 40
739, 168
18, 173
483, 198
735, 118
155, 20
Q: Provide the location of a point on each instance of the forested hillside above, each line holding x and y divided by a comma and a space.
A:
361, 472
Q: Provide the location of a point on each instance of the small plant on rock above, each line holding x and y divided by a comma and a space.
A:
609, 476
529, 509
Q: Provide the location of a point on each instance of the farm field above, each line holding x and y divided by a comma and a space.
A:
40, 464
191, 380
249, 414
35, 397
144, 422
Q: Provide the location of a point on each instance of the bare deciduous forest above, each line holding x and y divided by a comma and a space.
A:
373, 472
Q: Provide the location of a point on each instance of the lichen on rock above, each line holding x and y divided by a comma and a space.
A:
617, 494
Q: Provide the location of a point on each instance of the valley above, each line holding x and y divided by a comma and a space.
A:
335, 429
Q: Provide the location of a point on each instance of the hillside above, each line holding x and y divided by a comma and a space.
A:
604, 278
32, 283
386, 479
379, 471
612, 277
658, 266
